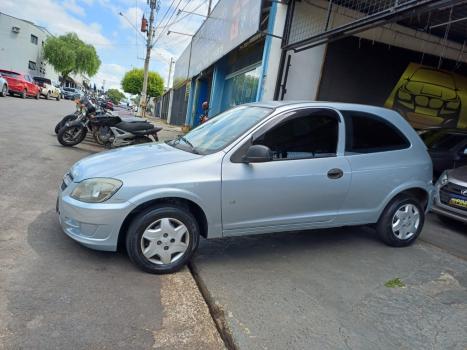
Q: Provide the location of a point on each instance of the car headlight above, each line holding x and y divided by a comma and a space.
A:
443, 179
96, 190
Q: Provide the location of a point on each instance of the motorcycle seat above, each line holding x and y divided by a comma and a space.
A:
134, 126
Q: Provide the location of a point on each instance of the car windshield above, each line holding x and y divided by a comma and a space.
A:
222, 130
69, 89
442, 141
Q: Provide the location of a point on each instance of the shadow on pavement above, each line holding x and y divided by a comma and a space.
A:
68, 294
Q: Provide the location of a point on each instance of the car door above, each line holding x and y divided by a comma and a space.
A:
31, 86
301, 187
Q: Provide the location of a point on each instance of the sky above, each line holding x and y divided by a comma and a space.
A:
119, 46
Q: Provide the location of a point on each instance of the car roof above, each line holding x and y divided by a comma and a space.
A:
343, 106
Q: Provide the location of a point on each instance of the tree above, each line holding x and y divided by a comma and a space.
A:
69, 54
115, 95
132, 83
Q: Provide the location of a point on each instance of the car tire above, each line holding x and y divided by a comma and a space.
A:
47, 97
178, 229
38, 96
401, 221
58, 97
4, 91
24, 93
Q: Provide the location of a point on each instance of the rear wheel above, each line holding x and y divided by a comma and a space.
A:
142, 139
24, 93
401, 222
71, 135
4, 91
38, 96
162, 239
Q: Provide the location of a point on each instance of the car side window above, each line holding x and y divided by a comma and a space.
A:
368, 133
309, 134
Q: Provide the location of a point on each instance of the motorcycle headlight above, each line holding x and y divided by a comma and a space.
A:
96, 190
443, 179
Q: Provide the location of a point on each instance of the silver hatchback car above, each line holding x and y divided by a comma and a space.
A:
257, 168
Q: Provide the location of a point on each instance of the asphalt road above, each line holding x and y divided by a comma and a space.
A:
56, 294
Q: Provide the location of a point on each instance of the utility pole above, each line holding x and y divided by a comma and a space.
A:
143, 102
170, 72
209, 7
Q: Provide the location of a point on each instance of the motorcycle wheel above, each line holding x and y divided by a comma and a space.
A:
71, 135
142, 139
97, 137
61, 123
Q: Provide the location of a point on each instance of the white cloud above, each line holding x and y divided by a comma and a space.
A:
112, 74
72, 6
56, 19
132, 15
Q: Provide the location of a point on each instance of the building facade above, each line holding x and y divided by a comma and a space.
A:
21, 44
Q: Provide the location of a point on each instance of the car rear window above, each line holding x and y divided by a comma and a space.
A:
368, 133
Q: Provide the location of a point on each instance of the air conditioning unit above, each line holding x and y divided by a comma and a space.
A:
15, 29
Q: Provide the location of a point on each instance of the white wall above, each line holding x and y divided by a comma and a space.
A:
306, 66
16, 49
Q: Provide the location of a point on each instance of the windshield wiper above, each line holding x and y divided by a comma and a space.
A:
184, 139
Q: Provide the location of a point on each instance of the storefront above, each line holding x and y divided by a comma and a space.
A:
226, 63
409, 56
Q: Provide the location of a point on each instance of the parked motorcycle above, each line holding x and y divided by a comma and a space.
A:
108, 129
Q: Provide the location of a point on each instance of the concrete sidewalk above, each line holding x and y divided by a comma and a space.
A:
326, 290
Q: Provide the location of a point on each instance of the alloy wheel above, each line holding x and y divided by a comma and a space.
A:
165, 241
406, 221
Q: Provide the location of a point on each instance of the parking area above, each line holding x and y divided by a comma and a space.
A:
325, 289
56, 294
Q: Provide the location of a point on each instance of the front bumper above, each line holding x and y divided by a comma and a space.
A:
94, 225
441, 208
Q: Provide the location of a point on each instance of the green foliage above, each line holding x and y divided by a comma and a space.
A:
132, 83
115, 95
68, 54
395, 283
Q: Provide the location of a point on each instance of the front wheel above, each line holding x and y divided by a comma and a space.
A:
61, 123
71, 135
58, 97
24, 93
4, 91
162, 239
401, 222
38, 96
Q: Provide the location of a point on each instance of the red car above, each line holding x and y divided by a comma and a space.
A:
20, 84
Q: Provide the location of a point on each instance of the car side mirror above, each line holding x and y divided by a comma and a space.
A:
257, 154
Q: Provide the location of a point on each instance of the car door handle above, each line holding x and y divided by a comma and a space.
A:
335, 173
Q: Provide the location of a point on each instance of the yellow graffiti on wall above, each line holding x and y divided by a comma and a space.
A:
428, 97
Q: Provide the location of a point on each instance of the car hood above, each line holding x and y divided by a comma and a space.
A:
459, 174
128, 159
